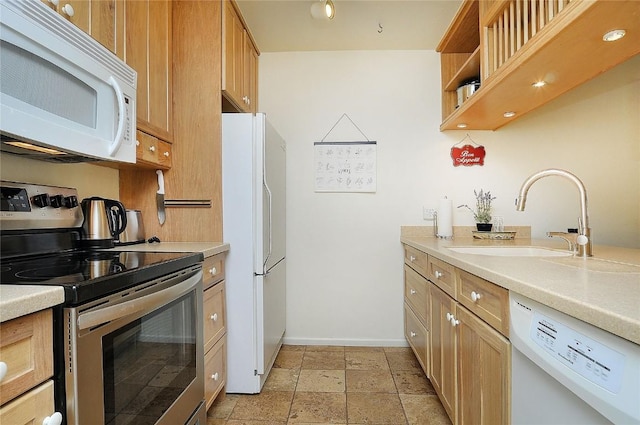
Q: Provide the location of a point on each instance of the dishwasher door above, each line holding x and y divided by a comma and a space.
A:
565, 371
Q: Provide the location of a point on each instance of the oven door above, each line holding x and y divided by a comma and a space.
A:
137, 356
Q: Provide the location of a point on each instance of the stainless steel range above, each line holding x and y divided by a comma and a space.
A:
128, 338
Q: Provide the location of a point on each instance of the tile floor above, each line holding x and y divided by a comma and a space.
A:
336, 385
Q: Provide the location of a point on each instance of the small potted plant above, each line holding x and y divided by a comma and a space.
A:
482, 213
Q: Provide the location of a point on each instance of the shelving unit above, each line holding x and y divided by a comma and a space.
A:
566, 50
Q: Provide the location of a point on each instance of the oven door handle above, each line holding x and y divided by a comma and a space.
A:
107, 314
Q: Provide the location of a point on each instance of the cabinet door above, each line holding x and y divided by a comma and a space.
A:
215, 371
418, 338
214, 315
107, 24
443, 349
250, 77
30, 408
484, 365
232, 55
26, 347
148, 51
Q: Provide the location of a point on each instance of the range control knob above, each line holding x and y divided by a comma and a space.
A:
56, 201
70, 201
41, 200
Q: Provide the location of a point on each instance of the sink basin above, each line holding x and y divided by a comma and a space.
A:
511, 251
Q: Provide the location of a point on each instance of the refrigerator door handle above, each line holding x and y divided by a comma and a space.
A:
266, 187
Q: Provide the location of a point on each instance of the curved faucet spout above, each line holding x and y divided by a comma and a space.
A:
584, 238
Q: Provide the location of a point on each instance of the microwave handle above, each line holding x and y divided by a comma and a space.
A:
118, 311
117, 142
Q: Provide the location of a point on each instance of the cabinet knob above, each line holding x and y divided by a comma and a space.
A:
67, 9
215, 376
54, 2
413, 334
166, 154
412, 258
449, 316
214, 317
412, 291
454, 321
55, 419
213, 271
152, 148
3, 370
475, 296
438, 274
137, 142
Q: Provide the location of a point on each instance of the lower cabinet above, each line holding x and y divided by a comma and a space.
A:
467, 348
30, 408
215, 329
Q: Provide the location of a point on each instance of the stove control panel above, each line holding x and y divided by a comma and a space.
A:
31, 206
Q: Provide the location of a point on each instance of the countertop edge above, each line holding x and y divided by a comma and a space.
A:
625, 326
21, 300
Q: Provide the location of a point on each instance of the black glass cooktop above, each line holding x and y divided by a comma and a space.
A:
88, 275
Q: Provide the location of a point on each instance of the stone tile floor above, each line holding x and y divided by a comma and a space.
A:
323, 385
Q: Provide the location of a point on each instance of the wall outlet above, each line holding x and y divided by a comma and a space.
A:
428, 213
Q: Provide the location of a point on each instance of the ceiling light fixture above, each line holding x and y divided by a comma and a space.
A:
323, 9
509, 114
461, 125
540, 83
614, 35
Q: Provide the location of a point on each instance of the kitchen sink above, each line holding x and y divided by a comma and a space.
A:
511, 251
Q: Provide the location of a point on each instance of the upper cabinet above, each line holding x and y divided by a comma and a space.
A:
101, 19
510, 45
239, 61
148, 51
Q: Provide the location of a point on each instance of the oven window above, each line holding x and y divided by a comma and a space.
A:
149, 363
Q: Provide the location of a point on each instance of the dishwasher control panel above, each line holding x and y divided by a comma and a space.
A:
594, 361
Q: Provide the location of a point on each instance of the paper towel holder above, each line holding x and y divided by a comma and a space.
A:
437, 226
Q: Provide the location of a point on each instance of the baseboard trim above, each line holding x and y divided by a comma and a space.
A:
346, 342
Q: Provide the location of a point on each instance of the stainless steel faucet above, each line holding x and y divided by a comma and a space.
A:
583, 239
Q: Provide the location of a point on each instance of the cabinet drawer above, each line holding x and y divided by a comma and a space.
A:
418, 338
416, 294
488, 301
213, 269
214, 315
416, 259
215, 371
443, 275
26, 346
152, 152
31, 408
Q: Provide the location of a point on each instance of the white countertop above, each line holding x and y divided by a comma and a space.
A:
20, 300
603, 290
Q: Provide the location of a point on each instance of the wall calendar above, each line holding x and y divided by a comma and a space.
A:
345, 166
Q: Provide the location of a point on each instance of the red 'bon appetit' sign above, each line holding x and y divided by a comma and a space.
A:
468, 155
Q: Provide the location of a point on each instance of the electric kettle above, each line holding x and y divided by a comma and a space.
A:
104, 220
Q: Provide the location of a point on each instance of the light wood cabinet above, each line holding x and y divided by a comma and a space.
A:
26, 348
239, 60
444, 350
215, 330
148, 26
466, 330
101, 19
152, 152
512, 44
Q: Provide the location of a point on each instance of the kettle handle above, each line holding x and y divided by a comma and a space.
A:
121, 218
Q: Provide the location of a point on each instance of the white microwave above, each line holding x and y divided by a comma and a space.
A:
63, 96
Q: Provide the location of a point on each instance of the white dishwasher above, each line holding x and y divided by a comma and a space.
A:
565, 371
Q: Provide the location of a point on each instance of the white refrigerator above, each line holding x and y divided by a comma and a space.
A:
253, 192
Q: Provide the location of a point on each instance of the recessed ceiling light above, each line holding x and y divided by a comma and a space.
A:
461, 125
323, 9
614, 35
509, 114
540, 83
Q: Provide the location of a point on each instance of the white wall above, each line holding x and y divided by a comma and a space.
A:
344, 255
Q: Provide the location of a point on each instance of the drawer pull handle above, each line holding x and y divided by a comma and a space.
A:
438, 274
3, 370
152, 148
215, 376
55, 419
413, 334
214, 317
475, 296
412, 258
413, 292
213, 271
